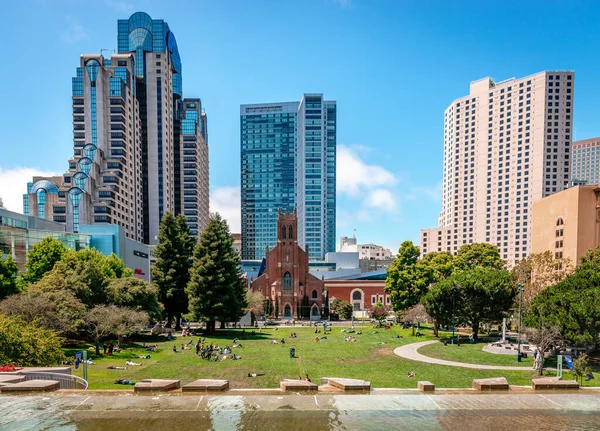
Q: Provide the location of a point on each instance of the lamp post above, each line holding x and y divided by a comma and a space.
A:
519, 328
453, 311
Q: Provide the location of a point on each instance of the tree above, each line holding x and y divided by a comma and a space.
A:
27, 344
136, 294
256, 302
543, 338
378, 313
8, 276
581, 367
342, 308
326, 305
216, 290
100, 323
414, 314
470, 256
480, 295
41, 259
404, 283
305, 307
572, 305
59, 311
115, 267
125, 321
538, 271
171, 270
438, 303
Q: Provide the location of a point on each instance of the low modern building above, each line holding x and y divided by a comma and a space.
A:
365, 251
18, 233
567, 223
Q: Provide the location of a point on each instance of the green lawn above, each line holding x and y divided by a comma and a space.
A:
333, 357
472, 354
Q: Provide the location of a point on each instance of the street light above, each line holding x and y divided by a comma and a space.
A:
453, 310
519, 328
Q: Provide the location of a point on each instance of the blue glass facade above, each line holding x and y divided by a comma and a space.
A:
288, 160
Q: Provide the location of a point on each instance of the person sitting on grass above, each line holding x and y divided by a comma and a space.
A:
236, 357
307, 378
282, 341
317, 339
412, 374
129, 362
175, 349
124, 382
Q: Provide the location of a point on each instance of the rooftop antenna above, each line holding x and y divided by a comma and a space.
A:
354, 234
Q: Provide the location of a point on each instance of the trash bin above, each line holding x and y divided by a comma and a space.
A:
292, 352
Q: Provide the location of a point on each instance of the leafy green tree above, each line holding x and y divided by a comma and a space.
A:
41, 259
171, 270
27, 344
277, 308
326, 305
572, 305
481, 295
115, 267
126, 321
216, 290
134, 293
342, 308
305, 307
581, 367
59, 311
8, 276
470, 256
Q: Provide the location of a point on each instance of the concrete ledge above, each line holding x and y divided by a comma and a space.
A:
425, 386
297, 386
156, 385
545, 383
206, 385
349, 384
494, 384
7, 379
31, 386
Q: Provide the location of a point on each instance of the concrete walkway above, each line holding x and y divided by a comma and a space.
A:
409, 351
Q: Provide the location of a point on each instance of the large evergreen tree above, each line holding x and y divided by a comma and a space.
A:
216, 290
171, 270
8, 276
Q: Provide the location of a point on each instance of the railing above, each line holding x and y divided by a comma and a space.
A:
67, 381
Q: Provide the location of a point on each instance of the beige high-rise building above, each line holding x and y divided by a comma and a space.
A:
506, 145
567, 223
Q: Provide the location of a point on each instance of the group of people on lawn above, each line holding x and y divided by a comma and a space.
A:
211, 352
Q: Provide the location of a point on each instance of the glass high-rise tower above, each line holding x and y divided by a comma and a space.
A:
288, 160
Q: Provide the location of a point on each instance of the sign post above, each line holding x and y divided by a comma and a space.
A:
85, 364
559, 364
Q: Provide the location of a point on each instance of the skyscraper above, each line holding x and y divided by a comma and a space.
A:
130, 164
288, 157
506, 145
586, 161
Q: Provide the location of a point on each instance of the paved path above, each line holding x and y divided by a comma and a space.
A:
409, 351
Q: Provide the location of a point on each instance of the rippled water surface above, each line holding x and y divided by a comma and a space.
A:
505, 412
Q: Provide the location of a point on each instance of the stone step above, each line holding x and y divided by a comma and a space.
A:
206, 385
297, 386
493, 384
551, 383
425, 386
31, 386
7, 379
156, 385
348, 384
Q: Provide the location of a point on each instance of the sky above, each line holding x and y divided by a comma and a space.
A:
392, 66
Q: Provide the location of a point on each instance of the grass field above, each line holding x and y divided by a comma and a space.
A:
333, 357
472, 354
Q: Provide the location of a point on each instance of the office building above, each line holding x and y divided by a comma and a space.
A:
132, 161
586, 162
567, 223
365, 251
506, 145
288, 161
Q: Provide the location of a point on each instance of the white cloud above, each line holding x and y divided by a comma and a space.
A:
226, 201
381, 199
13, 184
355, 176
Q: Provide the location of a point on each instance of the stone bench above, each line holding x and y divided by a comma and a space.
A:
496, 383
425, 386
546, 383
347, 384
156, 385
7, 379
31, 386
297, 386
206, 385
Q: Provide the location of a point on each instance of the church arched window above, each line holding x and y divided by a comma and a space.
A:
282, 232
314, 294
287, 281
291, 233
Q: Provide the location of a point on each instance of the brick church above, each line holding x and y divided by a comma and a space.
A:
286, 279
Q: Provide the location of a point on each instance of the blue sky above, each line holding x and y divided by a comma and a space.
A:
392, 66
